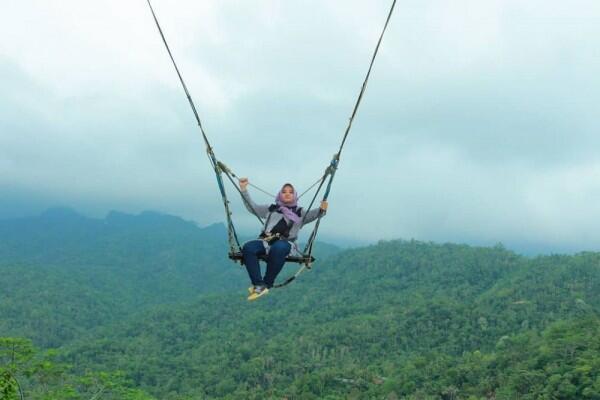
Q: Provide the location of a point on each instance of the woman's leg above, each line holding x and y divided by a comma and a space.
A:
250, 253
277, 254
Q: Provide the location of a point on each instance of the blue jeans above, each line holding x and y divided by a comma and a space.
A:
278, 251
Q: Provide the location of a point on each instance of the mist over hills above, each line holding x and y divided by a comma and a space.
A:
154, 296
59, 232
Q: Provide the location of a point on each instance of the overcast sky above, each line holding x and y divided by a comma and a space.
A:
480, 123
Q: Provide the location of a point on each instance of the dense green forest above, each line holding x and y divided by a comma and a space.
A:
147, 306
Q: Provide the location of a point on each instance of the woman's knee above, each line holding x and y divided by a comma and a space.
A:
253, 246
280, 247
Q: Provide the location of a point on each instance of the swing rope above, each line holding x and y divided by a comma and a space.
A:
220, 168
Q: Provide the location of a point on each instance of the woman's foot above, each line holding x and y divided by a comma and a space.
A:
257, 292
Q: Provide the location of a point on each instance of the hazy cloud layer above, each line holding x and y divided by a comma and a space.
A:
480, 121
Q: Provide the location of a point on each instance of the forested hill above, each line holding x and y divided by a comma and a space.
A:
63, 273
63, 237
395, 319
400, 319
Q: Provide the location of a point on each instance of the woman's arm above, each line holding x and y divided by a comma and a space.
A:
314, 214
251, 206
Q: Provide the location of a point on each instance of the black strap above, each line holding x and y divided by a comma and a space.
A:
282, 228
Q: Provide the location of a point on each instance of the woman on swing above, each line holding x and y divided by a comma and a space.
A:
283, 221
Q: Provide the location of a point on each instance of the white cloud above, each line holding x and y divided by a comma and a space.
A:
479, 123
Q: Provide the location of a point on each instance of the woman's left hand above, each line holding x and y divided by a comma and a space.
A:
324, 205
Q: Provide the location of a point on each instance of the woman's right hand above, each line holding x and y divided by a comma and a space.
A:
243, 184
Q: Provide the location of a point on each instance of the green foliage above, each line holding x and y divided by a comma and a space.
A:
15, 357
38, 376
405, 319
63, 275
155, 299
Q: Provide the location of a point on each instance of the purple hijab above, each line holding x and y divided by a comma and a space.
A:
286, 209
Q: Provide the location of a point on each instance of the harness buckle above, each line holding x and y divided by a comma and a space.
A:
270, 237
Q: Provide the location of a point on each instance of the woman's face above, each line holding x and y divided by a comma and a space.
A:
287, 194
